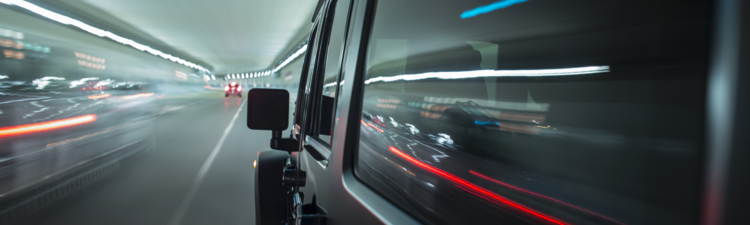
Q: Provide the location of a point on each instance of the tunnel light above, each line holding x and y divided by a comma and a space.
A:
213, 77
98, 32
291, 57
494, 73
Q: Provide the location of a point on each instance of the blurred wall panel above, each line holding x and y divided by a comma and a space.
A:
70, 100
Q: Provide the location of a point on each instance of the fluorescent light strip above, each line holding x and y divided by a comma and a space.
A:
288, 60
494, 73
98, 32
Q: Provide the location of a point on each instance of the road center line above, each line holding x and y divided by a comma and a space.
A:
177, 217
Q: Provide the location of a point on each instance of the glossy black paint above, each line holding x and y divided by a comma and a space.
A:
268, 109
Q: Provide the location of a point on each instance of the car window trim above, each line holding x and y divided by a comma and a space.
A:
323, 149
318, 72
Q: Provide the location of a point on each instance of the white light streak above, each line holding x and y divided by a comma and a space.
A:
98, 32
44, 81
329, 85
493, 73
288, 60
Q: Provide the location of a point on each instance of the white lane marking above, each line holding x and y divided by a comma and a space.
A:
177, 218
171, 109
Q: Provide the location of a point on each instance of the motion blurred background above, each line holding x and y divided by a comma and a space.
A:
86, 86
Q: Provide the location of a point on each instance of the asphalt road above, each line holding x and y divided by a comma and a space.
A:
196, 174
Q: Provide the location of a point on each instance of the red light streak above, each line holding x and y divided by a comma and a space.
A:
474, 189
372, 125
45, 126
99, 96
541, 196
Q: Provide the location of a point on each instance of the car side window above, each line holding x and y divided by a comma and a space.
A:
536, 112
329, 65
307, 78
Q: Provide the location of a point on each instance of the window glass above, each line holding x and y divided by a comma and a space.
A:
331, 70
305, 81
536, 112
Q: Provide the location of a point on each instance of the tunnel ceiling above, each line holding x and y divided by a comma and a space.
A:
229, 35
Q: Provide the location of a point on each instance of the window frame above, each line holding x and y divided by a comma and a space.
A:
354, 183
324, 24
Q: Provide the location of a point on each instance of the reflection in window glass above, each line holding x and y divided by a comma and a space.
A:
521, 112
305, 83
330, 76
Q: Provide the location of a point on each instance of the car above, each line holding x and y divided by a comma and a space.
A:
233, 89
506, 112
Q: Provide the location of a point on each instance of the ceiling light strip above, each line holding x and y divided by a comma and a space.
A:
288, 60
99, 32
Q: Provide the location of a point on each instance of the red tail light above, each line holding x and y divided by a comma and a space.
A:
226, 88
239, 88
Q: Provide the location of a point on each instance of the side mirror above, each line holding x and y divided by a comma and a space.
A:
268, 109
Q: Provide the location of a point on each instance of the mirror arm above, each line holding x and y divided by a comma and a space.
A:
284, 144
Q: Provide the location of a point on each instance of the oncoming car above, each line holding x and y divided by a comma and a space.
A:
233, 89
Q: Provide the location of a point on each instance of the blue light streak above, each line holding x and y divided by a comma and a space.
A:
477, 122
489, 8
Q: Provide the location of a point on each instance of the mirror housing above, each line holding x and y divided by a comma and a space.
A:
267, 109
